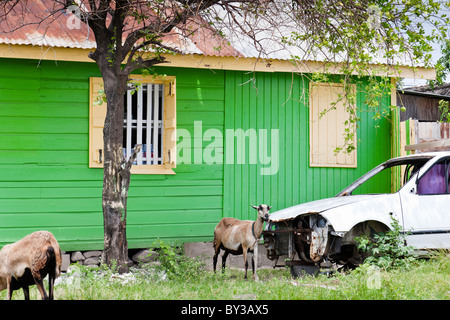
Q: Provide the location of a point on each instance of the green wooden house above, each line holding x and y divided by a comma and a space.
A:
221, 133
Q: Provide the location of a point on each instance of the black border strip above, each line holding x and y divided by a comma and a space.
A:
426, 232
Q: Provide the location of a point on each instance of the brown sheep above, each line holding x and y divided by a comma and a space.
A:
237, 237
28, 261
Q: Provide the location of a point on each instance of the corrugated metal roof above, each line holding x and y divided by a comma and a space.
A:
276, 36
58, 30
439, 91
28, 29
25, 26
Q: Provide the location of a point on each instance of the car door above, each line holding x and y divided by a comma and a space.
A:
426, 207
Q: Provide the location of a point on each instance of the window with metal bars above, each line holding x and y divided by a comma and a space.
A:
143, 123
149, 119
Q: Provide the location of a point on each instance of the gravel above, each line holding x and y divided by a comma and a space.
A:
76, 274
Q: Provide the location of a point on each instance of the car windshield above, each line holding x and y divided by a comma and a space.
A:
374, 182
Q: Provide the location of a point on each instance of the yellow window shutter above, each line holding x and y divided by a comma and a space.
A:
97, 114
327, 126
170, 122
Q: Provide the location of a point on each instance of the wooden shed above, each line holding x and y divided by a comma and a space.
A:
422, 126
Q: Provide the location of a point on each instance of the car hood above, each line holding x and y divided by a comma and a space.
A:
318, 206
346, 211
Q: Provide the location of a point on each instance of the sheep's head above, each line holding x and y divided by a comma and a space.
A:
263, 211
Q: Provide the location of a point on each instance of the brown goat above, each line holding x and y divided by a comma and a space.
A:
28, 261
238, 237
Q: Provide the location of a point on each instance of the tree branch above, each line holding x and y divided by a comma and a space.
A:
126, 166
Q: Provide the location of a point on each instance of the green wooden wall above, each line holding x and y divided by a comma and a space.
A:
45, 182
280, 101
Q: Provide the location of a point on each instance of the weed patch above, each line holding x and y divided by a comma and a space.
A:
387, 250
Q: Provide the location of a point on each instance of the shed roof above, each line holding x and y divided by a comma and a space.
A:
438, 92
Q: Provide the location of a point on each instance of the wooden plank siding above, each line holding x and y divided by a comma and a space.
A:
45, 181
280, 101
185, 206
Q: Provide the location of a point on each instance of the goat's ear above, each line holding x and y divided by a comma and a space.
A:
269, 208
255, 207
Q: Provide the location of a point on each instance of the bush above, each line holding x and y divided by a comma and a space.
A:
387, 250
176, 264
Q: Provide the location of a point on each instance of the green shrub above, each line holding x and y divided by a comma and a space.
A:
176, 264
387, 250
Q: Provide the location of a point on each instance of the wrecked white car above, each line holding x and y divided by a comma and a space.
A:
310, 233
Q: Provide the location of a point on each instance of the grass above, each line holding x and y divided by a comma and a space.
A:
425, 279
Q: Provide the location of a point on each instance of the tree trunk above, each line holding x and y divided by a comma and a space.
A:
116, 175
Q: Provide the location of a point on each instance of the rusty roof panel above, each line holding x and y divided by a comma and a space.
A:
60, 29
28, 27
31, 23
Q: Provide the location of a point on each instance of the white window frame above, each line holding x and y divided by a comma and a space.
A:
153, 103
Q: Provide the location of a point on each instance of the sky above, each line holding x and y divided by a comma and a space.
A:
410, 82
436, 54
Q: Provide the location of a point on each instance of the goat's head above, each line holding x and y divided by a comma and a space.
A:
263, 211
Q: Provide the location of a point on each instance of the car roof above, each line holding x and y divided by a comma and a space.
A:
424, 155
430, 154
